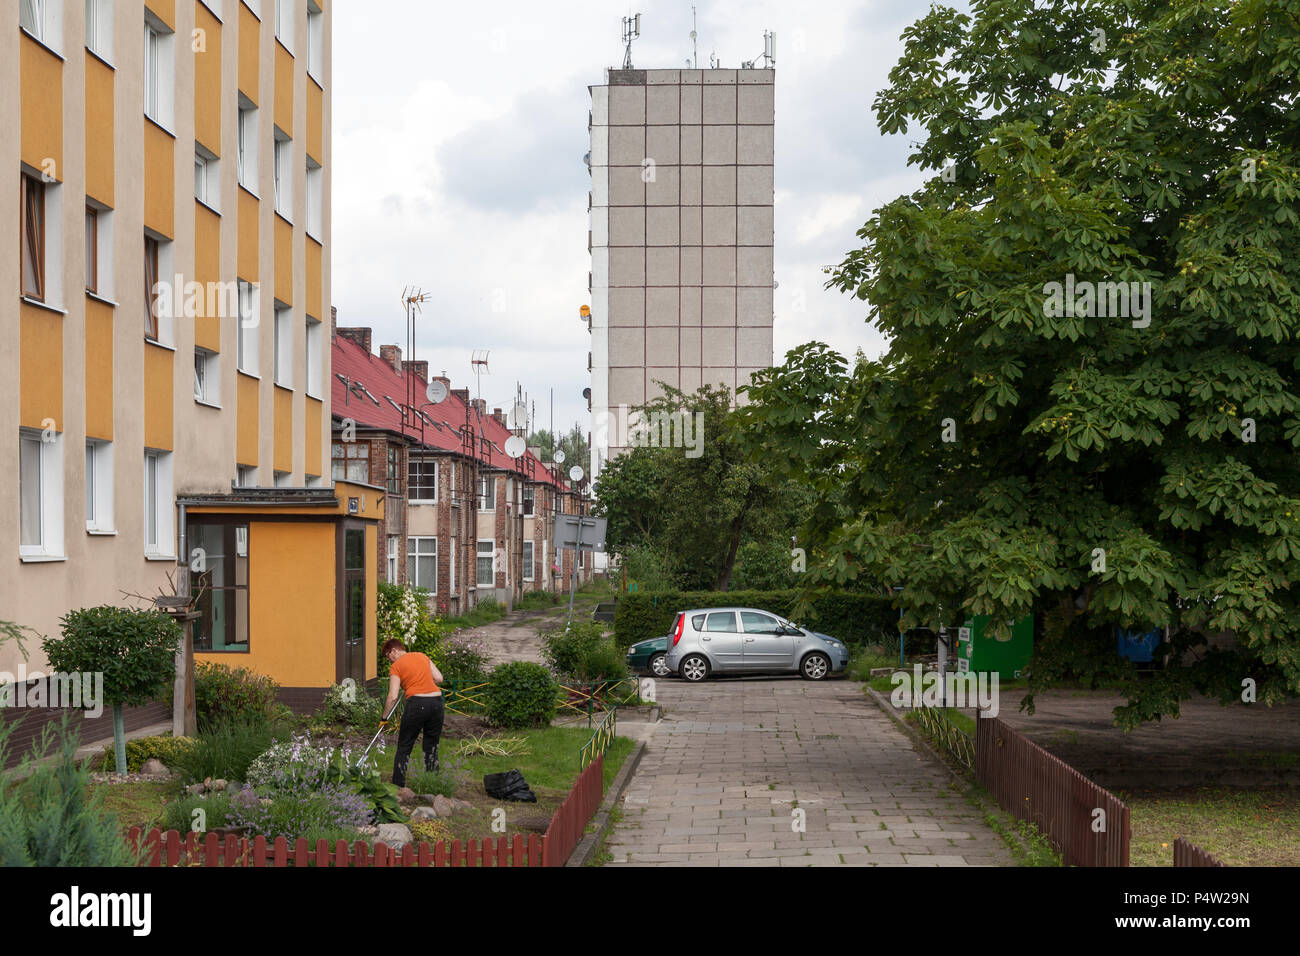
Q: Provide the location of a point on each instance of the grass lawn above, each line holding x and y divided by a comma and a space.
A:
1256, 827
137, 804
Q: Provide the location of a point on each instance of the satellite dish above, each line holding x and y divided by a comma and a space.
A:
586, 393
576, 473
516, 446
559, 456
518, 417
436, 393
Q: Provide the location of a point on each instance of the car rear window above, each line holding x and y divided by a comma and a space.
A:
721, 621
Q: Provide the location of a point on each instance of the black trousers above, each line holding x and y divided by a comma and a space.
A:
422, 714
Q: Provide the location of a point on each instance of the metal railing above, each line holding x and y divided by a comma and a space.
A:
943, 731
600, 740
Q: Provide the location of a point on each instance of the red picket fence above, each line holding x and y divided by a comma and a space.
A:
1189, 854
553, 849
1031, 784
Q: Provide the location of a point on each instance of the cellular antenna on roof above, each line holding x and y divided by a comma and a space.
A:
631, 30
695, 49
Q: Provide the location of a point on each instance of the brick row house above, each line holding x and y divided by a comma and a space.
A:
462, 519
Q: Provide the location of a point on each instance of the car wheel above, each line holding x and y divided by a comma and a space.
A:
659, 665
694, 668
815, 667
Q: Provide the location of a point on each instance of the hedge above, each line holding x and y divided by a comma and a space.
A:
849, 616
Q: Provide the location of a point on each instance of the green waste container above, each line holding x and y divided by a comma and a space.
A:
1007, 654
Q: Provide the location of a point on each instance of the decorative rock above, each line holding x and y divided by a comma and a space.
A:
463, 804
393, 834
420, 814
443, 806
207, 783
368, 830
405, 795
426, 798
218, 784
154, 767
194, 789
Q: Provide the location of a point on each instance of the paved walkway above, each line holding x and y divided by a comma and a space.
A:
733, 758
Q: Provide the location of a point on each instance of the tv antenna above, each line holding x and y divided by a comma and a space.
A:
631, 30
479, 363
413, 299
695, 49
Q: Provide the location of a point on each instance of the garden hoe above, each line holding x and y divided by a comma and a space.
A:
382, 724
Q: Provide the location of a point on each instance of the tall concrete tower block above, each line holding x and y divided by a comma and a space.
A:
681, 236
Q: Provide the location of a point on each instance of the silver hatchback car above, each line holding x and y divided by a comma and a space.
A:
735, 640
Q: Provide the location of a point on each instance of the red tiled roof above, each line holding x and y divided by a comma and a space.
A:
377, 390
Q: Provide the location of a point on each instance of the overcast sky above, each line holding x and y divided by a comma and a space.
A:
459, 132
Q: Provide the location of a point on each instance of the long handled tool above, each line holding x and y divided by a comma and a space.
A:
382, 724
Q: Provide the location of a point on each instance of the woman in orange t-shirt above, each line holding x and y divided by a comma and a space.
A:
417, 675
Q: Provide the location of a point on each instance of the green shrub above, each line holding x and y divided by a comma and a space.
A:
178, 815
225, 750
352, 706
852, 617
463, 660
521, 694
449, 775
581, 652
164, 748
537, 600
224, 693
49, 816
330, 808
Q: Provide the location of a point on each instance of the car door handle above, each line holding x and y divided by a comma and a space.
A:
706, 638
748, 640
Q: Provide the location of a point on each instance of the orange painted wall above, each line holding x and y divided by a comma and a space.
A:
283, 429
159, 180
207, 268
246, 436
315, 120
311, 444
315, 290
40, 341
283, 89
99, 370
99, 130
207, 81
250, 35
247, 256
164, 10
283, 261
159, 387
41, 92
291, 606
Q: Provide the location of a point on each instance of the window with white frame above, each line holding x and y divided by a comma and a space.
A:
315, 184
207, 176
158, 504
284, 23
486, 493
312, 481
314, 357
207, 377
421, 477
246, 476
283, 479
40, 493
159, 316
99, 250
486, 576
247, 143
283, 346
99, 28
248, 322
451, 568
528, 560
422, 563
43, 19
99, 486
394, 547
283, 167
315, 41
159, 72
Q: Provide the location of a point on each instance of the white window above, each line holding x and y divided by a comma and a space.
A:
284, 346
99, 250
158, 504
247, 144
422, 563
99, 486
313, 481
255, 6
315, 183
246, 476
486, 563
43, 19
207, 177
314, 357
207, 377
99, 28
394, 543
284, 23
283, 479
283, 174
421, 477
315, 40
159, 79
40, 490
486, 493
160, 315
528, 560
451, 567
248, 323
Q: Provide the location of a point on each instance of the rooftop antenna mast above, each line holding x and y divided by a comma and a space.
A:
479, 363
413, 299
631, 30
695, 47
